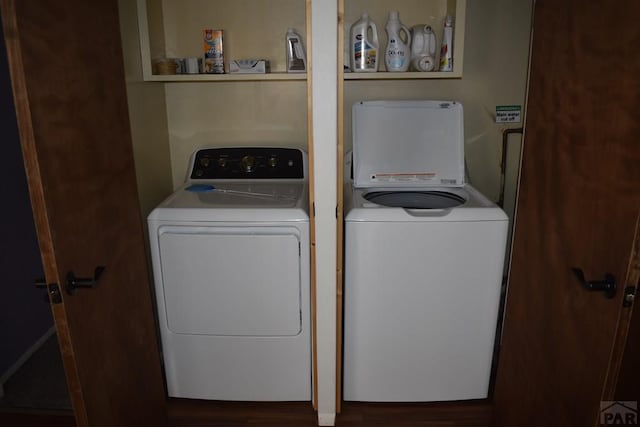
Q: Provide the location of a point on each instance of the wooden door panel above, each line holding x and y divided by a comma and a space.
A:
578, 203
68, 79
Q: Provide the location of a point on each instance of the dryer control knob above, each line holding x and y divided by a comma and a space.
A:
273, 161
248, 163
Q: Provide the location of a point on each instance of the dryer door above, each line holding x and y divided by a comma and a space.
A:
231, 281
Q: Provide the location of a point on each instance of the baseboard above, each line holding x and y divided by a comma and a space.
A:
25, 356
327, 419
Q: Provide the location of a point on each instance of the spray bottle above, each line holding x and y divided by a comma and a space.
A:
446, 51
396, 57
296, 59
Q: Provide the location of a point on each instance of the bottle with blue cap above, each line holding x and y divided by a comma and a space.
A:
364, 45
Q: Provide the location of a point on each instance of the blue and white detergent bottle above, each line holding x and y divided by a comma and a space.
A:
364, 47
397, 56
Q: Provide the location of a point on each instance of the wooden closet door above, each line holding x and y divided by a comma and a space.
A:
68, 81
578, 205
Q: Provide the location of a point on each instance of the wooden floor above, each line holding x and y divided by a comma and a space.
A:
474, 414
20, 418
195, 413
192, 413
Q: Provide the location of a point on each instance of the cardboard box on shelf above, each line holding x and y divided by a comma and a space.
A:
249, 66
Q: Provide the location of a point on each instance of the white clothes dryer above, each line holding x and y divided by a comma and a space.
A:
424, 254
230, 253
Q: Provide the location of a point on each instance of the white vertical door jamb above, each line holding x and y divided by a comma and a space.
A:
324, 39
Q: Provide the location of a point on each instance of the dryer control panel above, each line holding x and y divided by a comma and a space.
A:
248, 163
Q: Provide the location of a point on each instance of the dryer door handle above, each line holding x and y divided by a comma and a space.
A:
608, 285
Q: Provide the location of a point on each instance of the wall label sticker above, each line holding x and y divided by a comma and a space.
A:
508, 113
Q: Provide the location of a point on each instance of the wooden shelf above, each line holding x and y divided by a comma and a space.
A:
225, 77
409, 75
173, 29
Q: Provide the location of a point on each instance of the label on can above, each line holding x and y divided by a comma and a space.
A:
213, 52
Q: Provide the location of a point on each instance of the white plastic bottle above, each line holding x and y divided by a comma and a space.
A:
446, 51
296, 59
397, 55
364, 48
423, 48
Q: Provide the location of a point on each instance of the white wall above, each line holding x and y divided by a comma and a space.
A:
148, 117
233, 113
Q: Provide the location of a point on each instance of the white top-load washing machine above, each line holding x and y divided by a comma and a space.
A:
424, 257
230, 253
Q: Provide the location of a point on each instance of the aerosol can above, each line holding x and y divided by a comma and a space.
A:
446, 51
423, 48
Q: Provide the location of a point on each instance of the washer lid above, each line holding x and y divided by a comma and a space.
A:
408, 144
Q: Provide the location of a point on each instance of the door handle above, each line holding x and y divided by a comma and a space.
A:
608, 285
74, 282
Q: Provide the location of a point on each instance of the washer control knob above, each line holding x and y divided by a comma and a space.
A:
248, 164
222, 162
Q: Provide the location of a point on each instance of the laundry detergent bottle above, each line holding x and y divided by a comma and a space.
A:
423, 48
397, 55
364, 45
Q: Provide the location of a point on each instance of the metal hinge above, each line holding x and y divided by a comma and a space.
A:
53, 291
629, 296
